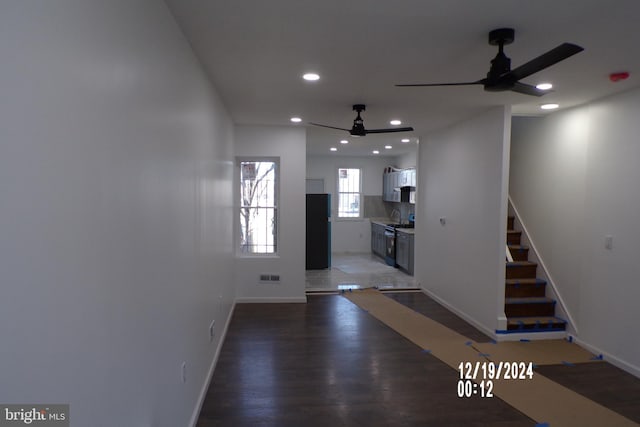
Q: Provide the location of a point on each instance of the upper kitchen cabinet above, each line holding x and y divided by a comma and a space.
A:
390, 187
393, 181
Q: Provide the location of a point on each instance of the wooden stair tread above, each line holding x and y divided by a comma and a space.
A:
519, 263
517, 247
535, 320
529, 300
526, 282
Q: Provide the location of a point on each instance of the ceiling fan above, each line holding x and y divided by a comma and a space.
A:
501, 77
358, 128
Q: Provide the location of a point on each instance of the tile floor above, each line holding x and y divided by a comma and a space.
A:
357, 271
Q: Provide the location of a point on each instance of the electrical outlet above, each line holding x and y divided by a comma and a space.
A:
183, 372
211, 330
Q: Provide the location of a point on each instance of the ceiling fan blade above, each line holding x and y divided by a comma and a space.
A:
528, 89
407, 129
330, 127
555, 55
479, 82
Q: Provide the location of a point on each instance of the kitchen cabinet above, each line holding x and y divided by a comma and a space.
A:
404, 251
393, 181
377, 240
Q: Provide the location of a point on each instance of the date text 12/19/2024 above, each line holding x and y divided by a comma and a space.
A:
476, 378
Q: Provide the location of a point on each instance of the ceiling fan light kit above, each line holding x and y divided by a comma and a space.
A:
502, 78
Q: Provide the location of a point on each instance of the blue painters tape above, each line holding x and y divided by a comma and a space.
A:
525, 340
542, 425
484, 354
468, 343
520, 331
426, 351
570, 339
598, 357
564, 362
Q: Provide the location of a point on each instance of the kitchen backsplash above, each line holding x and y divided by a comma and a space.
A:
374, 207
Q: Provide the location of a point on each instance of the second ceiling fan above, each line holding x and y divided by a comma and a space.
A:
358, 128
501, 77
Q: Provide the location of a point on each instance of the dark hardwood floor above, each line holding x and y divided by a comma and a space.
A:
601, 382
328, 363
421, 303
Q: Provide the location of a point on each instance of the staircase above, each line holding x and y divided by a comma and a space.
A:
526, 305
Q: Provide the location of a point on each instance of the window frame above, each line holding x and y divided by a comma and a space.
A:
238, 206
359, 192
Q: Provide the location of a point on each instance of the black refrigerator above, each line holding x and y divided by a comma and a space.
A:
318, 251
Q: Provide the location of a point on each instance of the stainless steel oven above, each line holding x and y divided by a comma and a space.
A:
390, 245
390, 240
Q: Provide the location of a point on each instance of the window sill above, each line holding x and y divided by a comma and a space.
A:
349, 219
257, 256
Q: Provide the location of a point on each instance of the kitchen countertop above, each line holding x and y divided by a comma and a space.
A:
384, 221
406, 230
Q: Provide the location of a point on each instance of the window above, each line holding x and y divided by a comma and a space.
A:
258, 206
348, 193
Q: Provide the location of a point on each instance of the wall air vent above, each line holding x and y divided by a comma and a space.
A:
269, 278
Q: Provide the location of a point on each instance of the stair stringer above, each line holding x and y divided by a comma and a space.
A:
543, 273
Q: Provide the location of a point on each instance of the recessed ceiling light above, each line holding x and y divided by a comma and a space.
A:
344, 141
405, 140
549, 106
388, 147
395, 122
311, 77
544, 86
375, 152
296, 119
333, 149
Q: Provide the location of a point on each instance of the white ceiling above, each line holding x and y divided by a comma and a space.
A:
256, 51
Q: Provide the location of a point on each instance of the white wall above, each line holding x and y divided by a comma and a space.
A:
574, 181
288, 144
406, 161
115, 181
463, 178
326, 167
349, 235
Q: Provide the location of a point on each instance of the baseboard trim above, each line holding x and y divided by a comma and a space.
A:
258, 300
207, 382
608, 357
489, 332
532, 336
